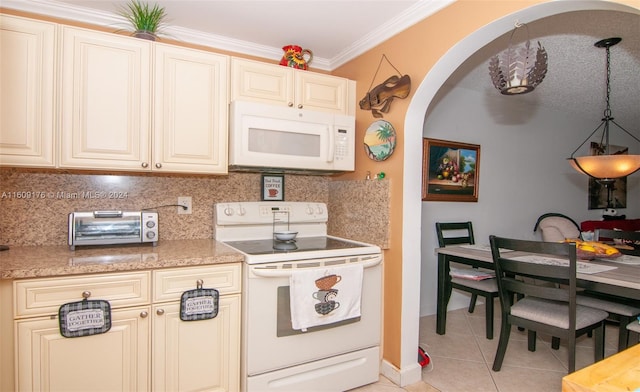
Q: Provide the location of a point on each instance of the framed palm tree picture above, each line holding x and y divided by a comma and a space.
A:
380, 140
450, 171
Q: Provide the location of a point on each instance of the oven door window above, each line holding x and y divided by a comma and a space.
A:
284, 325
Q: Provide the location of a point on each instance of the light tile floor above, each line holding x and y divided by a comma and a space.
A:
463, 357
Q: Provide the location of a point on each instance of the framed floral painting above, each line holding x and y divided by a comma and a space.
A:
450, 171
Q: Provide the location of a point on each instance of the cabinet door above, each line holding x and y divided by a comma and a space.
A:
322, 92
261, 82
105, 101
27, 92
191, 105
114, 361
197, 355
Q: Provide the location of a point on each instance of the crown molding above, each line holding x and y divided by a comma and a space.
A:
412, 15
406, 19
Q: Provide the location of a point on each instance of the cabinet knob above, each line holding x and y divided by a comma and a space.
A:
145, 165
86, 294
300, 106
290, 104
143, 314
158, 165
160, 312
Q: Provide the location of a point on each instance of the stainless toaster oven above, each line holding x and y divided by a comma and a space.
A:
112, 227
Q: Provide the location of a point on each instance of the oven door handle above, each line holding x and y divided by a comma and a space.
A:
280, 272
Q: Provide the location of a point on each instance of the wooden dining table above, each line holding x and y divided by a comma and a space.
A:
623, 281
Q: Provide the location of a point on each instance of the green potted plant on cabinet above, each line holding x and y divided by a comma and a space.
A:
146, 20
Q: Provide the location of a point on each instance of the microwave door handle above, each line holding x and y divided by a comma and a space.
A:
332, 144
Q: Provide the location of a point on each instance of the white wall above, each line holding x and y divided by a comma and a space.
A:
523, 171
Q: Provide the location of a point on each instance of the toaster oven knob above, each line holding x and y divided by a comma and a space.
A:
151, 235
151, 224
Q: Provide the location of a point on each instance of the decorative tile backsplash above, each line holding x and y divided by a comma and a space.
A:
34, 205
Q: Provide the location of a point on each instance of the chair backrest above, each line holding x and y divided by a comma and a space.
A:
557, 227
606, 234
507, 269
454, 233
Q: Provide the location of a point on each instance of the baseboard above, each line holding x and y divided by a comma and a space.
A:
401, 377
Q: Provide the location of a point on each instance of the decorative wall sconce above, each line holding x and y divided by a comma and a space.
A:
519, 69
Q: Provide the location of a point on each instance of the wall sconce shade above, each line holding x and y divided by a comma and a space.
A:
518, 70
605, 168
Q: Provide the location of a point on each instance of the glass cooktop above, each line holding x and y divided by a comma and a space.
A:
304, 244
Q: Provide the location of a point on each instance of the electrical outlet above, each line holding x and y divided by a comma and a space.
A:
184, 201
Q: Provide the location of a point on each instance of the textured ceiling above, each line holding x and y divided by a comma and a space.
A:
338, 30
576, 77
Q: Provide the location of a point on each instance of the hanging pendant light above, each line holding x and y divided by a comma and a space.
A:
518, 70
607, 167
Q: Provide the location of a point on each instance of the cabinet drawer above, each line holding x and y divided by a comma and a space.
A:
169, 284
44, 296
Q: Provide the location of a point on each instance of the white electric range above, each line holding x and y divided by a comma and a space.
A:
275, 356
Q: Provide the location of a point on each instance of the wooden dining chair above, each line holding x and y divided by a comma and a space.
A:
620, 310
461, 233
550, 309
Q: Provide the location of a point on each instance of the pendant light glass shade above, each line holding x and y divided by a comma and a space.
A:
519, 69
605, 168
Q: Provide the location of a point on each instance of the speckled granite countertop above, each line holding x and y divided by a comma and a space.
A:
47, 261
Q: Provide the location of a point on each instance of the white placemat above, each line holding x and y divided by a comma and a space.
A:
485, 247
582, 267
624, 259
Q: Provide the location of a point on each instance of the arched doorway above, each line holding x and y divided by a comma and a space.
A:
414, 119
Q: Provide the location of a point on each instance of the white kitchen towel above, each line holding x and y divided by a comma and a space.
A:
322, 296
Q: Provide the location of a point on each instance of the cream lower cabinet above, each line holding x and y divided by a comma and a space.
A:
114, 361
148, 347
199, 355
129, 104
279, 85
27, 92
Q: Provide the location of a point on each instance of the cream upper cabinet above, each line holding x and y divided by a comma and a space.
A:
276, 84
129, 104
190, 110
27, 81
105, 101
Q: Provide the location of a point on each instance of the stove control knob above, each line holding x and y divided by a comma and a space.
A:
151, 235
309, 210
228, 211
241, 211
319, 210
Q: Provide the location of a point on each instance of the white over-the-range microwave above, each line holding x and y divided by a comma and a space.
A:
271, 138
